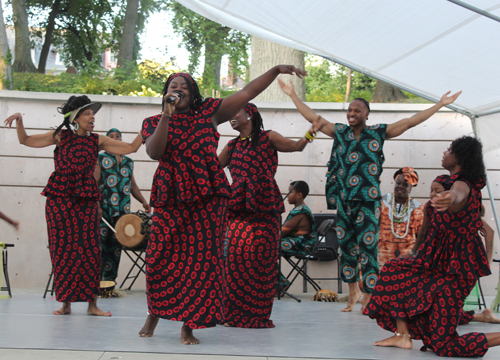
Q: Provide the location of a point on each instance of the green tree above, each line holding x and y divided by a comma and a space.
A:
203, 36
22, 49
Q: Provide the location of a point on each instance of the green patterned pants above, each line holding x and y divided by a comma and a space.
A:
358, 224
111, 251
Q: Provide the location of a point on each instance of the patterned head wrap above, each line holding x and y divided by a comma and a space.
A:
184, 75
112, 130
409, 174
251, 109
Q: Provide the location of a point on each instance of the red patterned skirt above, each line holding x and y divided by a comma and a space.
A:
252, 258
430, 302
185, 266
75, 252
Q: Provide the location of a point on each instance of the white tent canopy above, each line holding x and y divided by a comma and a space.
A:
426, 47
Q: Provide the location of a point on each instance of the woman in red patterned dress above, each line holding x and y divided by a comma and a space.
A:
254, 219
185, 267
72, 200
422, 297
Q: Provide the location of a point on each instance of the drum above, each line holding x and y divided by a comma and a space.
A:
107, 288
132, 230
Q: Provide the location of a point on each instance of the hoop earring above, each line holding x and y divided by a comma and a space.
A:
76, 126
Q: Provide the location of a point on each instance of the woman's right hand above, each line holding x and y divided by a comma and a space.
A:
287, 89
17, 117
169, 108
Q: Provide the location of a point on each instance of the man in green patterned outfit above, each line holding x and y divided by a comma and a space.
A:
114, 174
353, 184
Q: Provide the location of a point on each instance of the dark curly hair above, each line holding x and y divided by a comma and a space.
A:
196, 98
468, 152
367, 104
300, 186
74, 102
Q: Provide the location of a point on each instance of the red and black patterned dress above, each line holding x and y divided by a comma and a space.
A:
253, 233
185, 266
429, 290
72, 218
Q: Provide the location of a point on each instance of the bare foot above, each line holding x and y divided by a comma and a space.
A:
401, 341
228, 325
94, 310
187, 337
366, 300
65, 310
351, 302
488, 317
149, 326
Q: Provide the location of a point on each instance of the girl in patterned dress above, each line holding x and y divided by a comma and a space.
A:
72, 200
422, 297
185, 267
254, 219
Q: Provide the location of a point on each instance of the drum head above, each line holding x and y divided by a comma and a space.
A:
107, 285
128, 230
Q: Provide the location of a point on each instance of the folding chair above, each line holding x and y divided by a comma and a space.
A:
139, 262
5, 254
475, 298
299, 261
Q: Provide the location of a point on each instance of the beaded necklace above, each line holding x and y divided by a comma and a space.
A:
246, 137
396, 216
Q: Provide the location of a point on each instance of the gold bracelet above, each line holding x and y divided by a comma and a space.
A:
164, 113
309, 136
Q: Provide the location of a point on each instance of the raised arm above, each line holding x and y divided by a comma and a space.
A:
282, 144
34, 141
119, 147
319, 122
398, 128
9, 220
233, 103
157, 142
136, 193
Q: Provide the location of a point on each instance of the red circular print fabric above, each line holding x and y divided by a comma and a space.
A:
72, 218
253, 169
190, 169
253, 233
429, 290
185, 267
251, 269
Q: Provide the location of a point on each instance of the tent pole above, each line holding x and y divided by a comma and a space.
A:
488, 185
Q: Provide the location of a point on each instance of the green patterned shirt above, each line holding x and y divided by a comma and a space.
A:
355, 167
116, 185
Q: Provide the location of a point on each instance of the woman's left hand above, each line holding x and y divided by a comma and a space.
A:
443, 200
292, 70
146, 207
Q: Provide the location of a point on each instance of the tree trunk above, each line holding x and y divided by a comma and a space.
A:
265, 55
5, 67
211, 69
385, 93
49, 30
126, 51
22, 49
348, 87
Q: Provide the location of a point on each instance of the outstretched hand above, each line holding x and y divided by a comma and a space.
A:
287, 89
17, 117
292, 70
444, 200
447, 100
317, 124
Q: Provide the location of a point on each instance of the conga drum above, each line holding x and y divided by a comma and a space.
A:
132, 230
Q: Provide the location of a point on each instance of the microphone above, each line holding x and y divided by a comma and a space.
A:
172, 98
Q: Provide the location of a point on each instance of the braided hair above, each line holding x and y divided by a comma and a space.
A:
468, 152
258, 125
196, 99
73, 103
367, 104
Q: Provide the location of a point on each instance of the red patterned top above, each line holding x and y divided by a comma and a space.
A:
252, 169
190, 168
75, 159
452, 244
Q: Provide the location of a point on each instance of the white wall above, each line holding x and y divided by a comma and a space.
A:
24, 171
